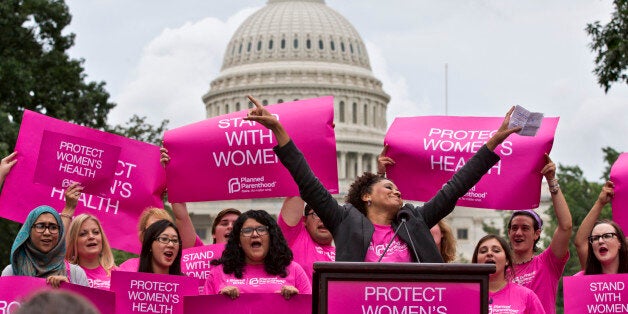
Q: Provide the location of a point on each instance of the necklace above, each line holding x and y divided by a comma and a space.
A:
526, 261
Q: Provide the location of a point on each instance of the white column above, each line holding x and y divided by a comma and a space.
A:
342, 164
360, 167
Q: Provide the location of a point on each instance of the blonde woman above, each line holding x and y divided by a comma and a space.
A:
88, 247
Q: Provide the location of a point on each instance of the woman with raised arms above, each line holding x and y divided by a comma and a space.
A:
375, 208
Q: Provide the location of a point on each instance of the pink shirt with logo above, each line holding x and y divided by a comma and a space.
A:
256, 280
514, 299
98, 278
304, 249
541, 275
132, 264
397, 252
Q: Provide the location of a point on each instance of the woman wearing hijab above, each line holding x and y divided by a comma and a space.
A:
39, 250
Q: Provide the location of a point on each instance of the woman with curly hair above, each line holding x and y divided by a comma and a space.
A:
503, 294
161, 249
256, 253
364, 227
88, 247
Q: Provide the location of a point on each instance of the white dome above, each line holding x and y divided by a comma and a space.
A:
296, 30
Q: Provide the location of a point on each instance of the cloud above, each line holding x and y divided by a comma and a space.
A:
175, 70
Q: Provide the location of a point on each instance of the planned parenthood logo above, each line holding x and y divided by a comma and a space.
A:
250, 184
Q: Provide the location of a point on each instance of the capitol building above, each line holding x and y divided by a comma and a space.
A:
298, 49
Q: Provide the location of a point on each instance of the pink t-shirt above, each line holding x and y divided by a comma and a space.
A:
514, 299
198, 241
132, 264
98, 278
397, 252
304, 249
256, 280
541, 275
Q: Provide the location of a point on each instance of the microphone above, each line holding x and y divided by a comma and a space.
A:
391, 240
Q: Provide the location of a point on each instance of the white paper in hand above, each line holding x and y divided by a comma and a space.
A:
530, 122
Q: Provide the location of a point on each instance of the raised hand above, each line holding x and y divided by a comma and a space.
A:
503, 132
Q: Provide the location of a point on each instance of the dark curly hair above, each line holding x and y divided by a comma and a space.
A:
594, 266
362, 185
146, 256
279, 254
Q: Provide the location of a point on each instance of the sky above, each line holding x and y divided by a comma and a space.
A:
158, 58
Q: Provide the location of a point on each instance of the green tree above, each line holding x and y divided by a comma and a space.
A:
610, 44
37, 74
137, 128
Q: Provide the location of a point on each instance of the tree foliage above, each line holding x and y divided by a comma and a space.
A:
610, 44
36, 73
137, 128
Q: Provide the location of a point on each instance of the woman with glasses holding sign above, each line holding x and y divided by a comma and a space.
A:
39, 250
161, 249
257, 259
601, 244
364, 228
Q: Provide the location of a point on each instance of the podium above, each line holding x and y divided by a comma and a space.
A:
434, 288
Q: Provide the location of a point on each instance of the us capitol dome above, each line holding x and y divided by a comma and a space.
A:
298, 49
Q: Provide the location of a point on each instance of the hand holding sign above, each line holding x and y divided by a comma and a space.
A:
383, 161
6, 164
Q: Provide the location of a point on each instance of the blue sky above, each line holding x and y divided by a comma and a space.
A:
158, 58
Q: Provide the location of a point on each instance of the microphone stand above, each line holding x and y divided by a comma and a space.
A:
403, 220
392, 239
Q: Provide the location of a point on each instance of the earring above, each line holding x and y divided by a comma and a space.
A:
368, 203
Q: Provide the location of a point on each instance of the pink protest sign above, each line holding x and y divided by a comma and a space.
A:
64, 159
227, 157
596, 293
402, 297
14, 289
105, 301
619, 176
139, 180
429, 150
258, 303
153, 293
195, 261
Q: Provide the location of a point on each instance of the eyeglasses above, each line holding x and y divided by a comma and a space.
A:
604, 236
166, 240
248, 231
313, 214
41, 228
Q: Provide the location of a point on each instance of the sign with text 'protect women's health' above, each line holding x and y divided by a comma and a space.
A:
596, 293
227, 157
151, 293
619, 176
428, 151
138, 177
